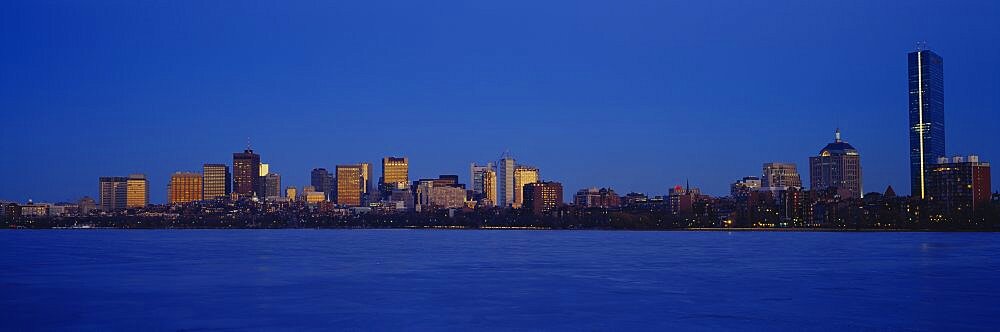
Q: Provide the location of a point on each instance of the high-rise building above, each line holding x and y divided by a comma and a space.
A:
272, 186
781, 175
395, 173
290, 194
113, 193
216, 181
321, 179
505, 180
184, 187
484, 183
137, 195
431, 193
523, 175
366, 183
927, 139
349, 182
958, 186
246, 173
838, 165
541, 197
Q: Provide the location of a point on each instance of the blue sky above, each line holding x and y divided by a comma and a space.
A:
636, 95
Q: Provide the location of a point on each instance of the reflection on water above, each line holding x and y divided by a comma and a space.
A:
420, 280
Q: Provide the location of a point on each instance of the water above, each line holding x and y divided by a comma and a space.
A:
496, 280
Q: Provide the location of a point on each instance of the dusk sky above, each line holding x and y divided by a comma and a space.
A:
635, 95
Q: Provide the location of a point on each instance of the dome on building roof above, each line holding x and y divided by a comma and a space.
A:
838, 147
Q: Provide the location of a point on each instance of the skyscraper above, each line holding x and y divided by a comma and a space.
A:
184, 187
137, 195
246, 173
395, 173
216, 181
523, 175
349, 182
505, 180
484, 179
113, 193
321, 179
838, 165
781, 175
927, 142
272, 185
366, 182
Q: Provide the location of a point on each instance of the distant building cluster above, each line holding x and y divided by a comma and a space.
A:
943, 189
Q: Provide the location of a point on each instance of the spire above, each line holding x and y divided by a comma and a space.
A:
836, 136
248, 144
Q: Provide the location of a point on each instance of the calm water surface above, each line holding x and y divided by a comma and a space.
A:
496, 280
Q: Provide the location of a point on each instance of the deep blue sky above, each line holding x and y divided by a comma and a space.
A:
637, 95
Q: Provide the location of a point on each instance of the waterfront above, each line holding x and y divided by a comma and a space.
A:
475, 280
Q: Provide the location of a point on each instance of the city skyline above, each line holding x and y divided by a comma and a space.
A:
670, 106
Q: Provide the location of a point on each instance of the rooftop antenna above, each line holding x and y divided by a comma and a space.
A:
921, 45
248, 144
836, 136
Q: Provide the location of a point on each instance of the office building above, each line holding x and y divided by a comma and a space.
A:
505, 180
322, 181
184, 187
523, 175
430, 193
367, 195
838, 165
272, 185
113, 193
542, 197
137, 195
781, 175
349, 182
395, 173
290, 194
926, 115
484, 184
246, 173
216, 181
958, 186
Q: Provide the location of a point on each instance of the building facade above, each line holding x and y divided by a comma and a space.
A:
321, 180
959, 186
926, 116
137, 195
216, 181
505, 180
599, 198
395, 173
272, 186
246, 173
781, 175
838, 165
542, 197
742, 188
484, 179
113, 193
349, 185
184, 187
523, 175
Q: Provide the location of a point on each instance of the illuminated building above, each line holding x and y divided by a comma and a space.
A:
216, 181
290, 194
272, 186
137, 195
837, 166
184, 187
311, 196
440, 195
86, 205
349, 182
246, 173
484, 179
743, 187
505, 180
781, 175
593, 197
113, 193
926, 101
395, 173
366, 183
541, 197
321, 179
960, 186
523, 175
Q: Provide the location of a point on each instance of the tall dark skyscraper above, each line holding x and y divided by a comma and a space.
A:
322, 181
246, 173
926, 82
